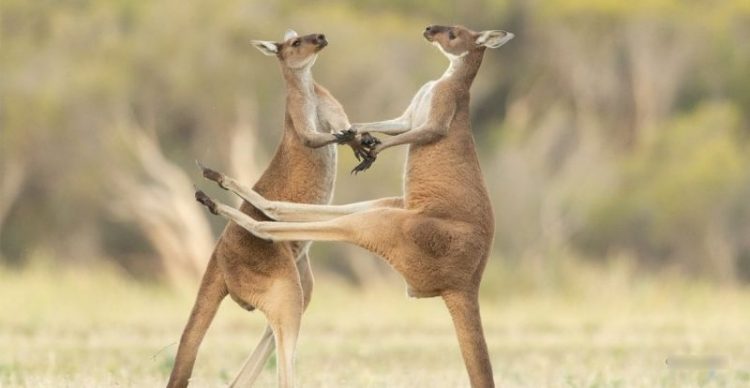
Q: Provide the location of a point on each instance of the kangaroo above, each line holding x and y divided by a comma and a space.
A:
439, 234
275, 278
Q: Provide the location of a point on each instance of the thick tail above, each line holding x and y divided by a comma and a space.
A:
464, 309
257, 360
212, 291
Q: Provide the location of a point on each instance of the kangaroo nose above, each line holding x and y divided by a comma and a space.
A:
321, 37
428, 28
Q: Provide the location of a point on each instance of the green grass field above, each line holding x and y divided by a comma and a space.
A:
90, 328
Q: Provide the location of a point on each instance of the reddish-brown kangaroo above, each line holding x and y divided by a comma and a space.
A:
275, 278
439, 234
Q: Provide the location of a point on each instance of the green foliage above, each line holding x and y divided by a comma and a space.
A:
674, 189
605, 126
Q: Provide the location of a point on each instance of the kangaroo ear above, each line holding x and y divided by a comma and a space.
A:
493, 38
290, 34
266, 47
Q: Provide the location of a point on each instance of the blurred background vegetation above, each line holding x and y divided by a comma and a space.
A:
614, 137
609, 131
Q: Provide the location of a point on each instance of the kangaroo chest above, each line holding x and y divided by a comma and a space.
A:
422, 104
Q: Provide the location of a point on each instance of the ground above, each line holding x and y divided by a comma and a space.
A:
95, 328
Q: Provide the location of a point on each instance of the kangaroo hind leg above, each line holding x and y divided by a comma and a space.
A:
212, 291
257, 360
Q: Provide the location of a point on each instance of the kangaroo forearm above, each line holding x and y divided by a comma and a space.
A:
416, 136
307, 131
339, 124
316, 139
388, 127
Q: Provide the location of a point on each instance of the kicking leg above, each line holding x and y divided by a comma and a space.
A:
305, 212
292, 211
363, 228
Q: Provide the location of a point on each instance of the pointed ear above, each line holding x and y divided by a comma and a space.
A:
266, 47
493, 38
290, 34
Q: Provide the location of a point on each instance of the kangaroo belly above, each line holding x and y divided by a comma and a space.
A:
295, 174
299, 174
444, 178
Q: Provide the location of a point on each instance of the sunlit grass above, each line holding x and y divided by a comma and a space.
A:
94, 328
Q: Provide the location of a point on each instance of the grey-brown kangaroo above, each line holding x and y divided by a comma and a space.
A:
439, 234
275, 278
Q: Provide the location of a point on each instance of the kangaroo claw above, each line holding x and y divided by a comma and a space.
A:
346, 136
364, 165
369, 141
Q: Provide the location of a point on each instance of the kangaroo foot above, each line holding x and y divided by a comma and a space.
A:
211, 175
204, 200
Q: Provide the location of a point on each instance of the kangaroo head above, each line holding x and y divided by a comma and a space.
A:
457, 41
295, 52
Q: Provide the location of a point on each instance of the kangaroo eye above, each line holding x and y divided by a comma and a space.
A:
296, 43
451, 35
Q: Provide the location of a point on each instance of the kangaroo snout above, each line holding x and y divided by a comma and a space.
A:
320, 40
431, 31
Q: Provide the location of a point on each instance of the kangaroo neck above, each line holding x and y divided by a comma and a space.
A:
463, 68
299, 81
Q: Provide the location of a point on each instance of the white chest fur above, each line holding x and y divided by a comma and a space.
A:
422, 104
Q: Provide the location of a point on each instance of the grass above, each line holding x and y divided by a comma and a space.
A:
97, 328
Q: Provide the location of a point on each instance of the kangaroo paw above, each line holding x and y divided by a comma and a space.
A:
364, 165
360, 152
345, 136
369, 140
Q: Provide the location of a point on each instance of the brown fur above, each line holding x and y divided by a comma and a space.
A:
440, 235
253, 271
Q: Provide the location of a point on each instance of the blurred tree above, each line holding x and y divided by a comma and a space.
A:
156, 195
605, 127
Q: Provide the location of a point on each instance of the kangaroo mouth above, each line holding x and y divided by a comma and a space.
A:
427, 36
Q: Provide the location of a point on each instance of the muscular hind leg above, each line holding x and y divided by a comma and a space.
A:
212, 291
284, 313
292, 211
306, 278
375, 229
282, 305
253, 366
382, 231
